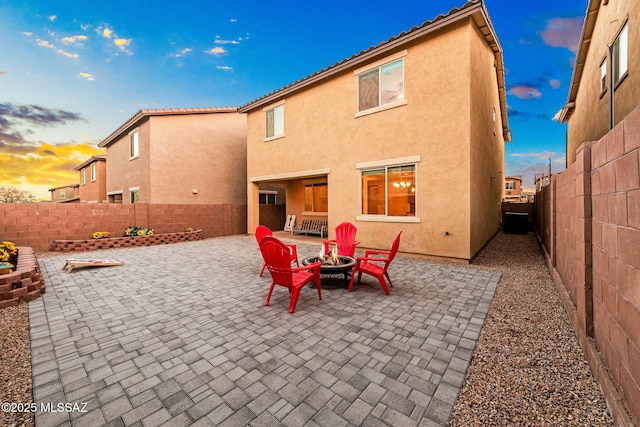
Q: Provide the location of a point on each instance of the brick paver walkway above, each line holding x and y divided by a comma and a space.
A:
179, 335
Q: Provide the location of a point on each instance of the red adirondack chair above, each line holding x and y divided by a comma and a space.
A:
262, 231
345, 239
276, 257
377, 265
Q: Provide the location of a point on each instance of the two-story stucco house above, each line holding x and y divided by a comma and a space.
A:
93, 180
513, 188
605, 86
180, 155
65, 194
407, 135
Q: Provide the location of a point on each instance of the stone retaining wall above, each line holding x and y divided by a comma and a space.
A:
25, 283
124, 242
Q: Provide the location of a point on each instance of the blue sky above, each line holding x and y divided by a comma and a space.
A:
71, 72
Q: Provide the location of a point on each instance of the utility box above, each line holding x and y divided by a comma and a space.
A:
515, 222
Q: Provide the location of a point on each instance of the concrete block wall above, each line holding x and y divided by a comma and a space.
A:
37, 225
589, 227
23, 284
616, 255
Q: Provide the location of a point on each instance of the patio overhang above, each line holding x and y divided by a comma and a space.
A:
290, 175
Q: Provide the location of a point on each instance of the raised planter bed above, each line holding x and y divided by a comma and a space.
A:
23, 284
125, 242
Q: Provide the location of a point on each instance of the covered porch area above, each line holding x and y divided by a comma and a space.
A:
306, 196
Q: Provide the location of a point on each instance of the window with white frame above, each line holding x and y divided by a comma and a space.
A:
134, 196
389, 191
381, 86
510, 185
274, 119
316, 197
93, 172
603, 76
620, 54
134, 150
83, 178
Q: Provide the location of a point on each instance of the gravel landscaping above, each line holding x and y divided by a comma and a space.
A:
527, 368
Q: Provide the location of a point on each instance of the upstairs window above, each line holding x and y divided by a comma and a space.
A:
61, 194
381, 86
83, 179
274, 122
93, 172
620, 55
133, 145
510, 185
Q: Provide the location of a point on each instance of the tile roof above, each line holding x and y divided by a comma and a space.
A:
91, 159
474, 8
141, 114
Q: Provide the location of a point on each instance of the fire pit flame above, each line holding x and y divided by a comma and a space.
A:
331, 258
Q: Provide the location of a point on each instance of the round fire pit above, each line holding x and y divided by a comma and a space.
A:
344, 267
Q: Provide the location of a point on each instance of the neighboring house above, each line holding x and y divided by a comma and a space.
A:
93, 180
513, 188
542, 180
528, 196
182, 155
605, 86
407, 135
65, 194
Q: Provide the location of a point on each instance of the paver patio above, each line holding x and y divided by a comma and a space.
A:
179, 335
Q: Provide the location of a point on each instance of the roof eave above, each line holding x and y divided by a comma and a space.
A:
142, 114
394, 43
585, 42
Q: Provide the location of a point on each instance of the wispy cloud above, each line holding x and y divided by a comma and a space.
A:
519, 114
123, 44
222, 41
68, 54
44, 43
35, 115
87, 76
182, 53
224, 68
216, 51
106, 32
555, 84
525, 91
563, 32
4, 73
119, 42
52, 18
74, 39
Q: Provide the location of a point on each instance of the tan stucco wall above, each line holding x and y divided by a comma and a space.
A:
123, 173
205, 152
94, 192
321, 133
486, 145
182, 153
590, 119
